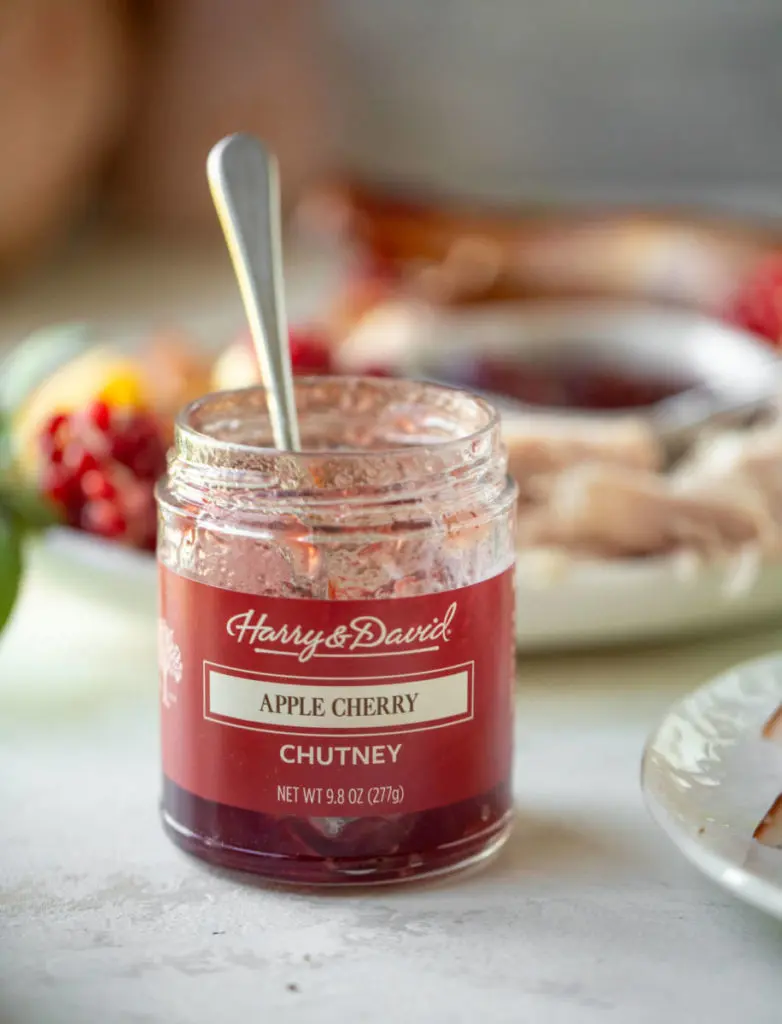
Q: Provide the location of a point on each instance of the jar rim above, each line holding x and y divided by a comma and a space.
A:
394, 387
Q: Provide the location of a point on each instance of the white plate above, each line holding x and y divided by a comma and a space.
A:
579, 605
709, 778
593, 604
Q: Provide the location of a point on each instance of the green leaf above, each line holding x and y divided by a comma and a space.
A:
10, 564
30, 509
6, 445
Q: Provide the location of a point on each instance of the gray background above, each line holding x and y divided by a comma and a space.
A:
557, 98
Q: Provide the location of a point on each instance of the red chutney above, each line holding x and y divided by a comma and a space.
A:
563, 385
336, 634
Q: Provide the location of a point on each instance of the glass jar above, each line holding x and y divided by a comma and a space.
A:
337, 633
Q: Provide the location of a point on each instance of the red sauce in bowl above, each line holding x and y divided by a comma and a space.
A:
561, 385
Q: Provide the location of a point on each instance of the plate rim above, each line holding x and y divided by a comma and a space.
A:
735, 878
69, 554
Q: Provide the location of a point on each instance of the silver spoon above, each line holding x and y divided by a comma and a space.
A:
679, 419
245, 184
676, 422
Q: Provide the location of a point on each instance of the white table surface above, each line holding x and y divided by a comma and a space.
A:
588, 914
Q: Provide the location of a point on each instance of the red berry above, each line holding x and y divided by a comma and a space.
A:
310, 352
77, 459
104, 519
103, 477
757, 306
140, 448
96, 485
87, 464
58, 484
100, 415
147, 465
50, 447
54, 424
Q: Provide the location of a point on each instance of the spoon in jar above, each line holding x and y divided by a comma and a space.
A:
245, 184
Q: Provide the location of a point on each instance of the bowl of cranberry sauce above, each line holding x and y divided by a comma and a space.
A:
589, 357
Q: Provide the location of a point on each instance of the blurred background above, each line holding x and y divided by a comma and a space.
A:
465, 187
574, 205
109, 106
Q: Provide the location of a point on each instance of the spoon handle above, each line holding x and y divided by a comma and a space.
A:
679, 420
245, 185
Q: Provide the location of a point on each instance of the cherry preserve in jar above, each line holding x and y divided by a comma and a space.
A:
336, 633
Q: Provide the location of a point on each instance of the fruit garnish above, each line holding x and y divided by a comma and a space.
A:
757, 306
97, 375
368, 285
310, 352
387, 338
237, 367
175, 371
99, 465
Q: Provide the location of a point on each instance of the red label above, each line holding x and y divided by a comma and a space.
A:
330, 708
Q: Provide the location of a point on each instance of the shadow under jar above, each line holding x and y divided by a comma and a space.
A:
336, 633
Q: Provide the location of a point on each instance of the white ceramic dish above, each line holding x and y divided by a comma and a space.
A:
709, 778
637, 339
598, 603
602, 603
559, 605
581, 605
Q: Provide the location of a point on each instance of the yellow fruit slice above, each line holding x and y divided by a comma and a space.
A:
100, 374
